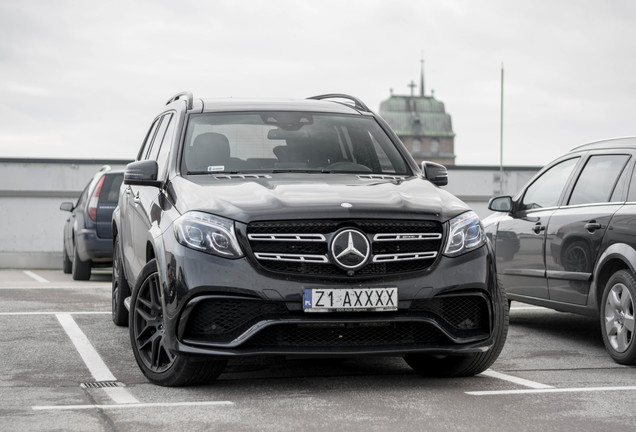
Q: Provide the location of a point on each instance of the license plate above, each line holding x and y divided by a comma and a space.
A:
350, 299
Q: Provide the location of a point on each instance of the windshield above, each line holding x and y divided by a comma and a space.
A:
288, 141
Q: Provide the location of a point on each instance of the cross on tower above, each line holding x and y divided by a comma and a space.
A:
412, 86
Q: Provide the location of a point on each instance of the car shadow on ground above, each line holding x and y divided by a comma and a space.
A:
562, 325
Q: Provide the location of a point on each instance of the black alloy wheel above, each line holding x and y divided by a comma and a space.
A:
147, 335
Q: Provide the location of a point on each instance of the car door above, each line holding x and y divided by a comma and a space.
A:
575, 230
144, 197
128, 205
520, 240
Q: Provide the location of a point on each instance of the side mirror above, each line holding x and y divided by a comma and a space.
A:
435, 173
500, 204
67, 206
142, 173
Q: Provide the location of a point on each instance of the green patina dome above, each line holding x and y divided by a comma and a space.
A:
417, 116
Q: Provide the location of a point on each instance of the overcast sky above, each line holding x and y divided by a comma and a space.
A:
83, 79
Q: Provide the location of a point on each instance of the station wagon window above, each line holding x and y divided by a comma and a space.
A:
598, 179
631, 196
547, 189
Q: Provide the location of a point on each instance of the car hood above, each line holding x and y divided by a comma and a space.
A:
313, 196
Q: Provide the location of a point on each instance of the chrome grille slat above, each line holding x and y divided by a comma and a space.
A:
404, 256
407, 236
292, 257
287, 237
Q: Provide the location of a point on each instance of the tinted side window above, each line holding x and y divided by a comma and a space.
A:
82, 199
620, 189
597, 181
148, 141
547, 189
164, 152
110, 189
156, 143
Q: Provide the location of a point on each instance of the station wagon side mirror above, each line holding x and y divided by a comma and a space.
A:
435, 173
67, 206
142, 173
500, 204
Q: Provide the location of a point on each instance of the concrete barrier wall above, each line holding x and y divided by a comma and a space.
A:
31, 191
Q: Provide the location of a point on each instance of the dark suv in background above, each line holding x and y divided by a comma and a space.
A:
296, 228
567, 241
88, 230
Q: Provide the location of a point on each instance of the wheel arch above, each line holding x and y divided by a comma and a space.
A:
619, 256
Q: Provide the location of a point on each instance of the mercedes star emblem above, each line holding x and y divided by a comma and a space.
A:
350, 249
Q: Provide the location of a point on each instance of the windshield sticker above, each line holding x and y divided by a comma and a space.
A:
215, 168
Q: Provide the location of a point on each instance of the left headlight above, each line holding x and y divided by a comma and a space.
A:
465, 234
207, 233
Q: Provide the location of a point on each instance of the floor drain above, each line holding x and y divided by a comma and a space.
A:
101, 384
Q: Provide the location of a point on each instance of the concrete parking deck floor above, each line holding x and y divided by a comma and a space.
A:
65, 366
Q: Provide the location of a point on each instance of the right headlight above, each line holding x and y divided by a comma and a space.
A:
207, 233
465, 234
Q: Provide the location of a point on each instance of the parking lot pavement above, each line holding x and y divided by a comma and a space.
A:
65, 366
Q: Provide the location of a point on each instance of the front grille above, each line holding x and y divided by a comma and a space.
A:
354, 335
302, 247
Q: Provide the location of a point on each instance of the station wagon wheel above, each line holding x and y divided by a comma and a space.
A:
147, 336
617, 317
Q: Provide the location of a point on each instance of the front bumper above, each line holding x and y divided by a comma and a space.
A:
219, 307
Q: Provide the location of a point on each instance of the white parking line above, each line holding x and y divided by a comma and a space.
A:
93, 361
516, 380
549, 390
56, 313
137, 405
35, 276
56, 286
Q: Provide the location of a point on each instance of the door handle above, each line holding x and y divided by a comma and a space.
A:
538, 228
593, 226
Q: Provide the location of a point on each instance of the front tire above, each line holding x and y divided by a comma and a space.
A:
67, 264
617, 317
81, 269
471, 364
147, 332
121, 289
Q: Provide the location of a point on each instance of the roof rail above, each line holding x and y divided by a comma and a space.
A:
359, 105
186, 94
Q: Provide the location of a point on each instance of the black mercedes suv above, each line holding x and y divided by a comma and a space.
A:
296, 228
567, 240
